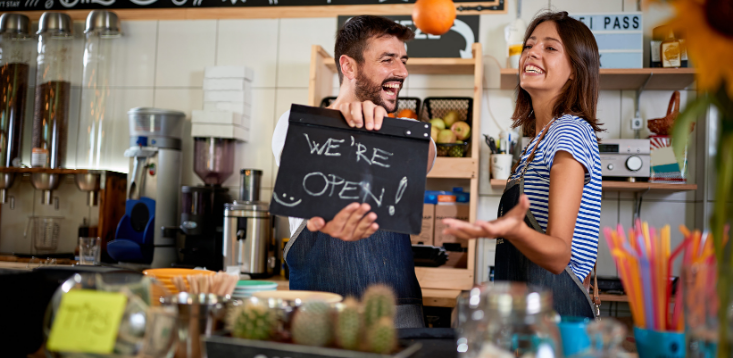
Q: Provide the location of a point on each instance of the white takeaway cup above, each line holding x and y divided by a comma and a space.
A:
501, 166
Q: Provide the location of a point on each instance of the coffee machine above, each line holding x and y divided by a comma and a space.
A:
248, 228
153, 184
202, 207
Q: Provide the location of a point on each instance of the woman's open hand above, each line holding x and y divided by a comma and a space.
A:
507, 226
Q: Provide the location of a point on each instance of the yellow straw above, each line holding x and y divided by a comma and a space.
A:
632, 284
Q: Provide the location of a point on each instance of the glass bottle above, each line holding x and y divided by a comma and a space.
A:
96, 116
655, 57
670, 51
53, 87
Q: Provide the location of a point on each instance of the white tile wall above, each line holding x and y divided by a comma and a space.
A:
238, 46
136, 54
185, 47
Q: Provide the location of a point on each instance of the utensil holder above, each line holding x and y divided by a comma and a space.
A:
659, 344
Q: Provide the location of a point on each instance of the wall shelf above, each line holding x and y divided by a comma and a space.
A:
435, 66
609, 185
456, 168
625, 78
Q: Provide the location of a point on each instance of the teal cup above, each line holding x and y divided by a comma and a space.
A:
573, 334
656, 344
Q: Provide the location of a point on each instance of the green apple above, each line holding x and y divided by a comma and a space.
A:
461, 129
446, 136
434, 133
437, 123
450, 118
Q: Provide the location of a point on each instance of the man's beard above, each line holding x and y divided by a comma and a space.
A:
368, 90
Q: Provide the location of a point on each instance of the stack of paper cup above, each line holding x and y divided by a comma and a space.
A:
227, 103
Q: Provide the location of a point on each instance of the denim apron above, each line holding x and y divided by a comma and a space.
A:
319, 262
568, 293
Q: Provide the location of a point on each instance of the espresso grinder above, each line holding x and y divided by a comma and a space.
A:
202, 206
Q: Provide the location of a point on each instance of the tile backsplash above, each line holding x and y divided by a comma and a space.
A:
161, 64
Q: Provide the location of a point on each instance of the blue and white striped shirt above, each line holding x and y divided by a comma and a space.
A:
575, 136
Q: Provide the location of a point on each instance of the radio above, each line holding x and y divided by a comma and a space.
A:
625, 158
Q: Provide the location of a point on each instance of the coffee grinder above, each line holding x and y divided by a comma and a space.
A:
202, 206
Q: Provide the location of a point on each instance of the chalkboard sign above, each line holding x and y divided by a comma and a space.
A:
28, 5
326, 165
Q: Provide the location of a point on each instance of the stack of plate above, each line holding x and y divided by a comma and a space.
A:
165, 276
245, 288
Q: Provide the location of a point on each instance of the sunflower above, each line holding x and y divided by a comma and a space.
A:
707, 28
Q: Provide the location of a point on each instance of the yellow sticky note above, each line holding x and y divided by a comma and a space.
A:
87, 321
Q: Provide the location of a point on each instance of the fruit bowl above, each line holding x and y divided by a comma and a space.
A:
456, 150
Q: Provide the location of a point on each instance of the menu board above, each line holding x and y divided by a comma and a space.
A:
30, 5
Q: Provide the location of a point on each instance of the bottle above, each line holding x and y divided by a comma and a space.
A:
655, 59
670, 52
683, 49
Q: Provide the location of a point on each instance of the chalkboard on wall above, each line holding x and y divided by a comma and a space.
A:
326, 165
30, 5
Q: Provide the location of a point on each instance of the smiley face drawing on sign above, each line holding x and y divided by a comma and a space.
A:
292, 203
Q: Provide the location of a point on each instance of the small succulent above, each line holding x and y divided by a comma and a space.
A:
379, 301
382, 336
253, 321
312, 324
348, 325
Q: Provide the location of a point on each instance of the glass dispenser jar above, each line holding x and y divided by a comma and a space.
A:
15, 58
95, 123
519, 322
53, 89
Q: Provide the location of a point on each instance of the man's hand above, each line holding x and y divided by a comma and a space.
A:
352, 223
362, 114
507, 226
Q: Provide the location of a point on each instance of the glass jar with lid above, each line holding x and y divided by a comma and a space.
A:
96, 120
53, 90
519, 322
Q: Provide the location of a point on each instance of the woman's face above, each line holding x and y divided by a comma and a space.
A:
544, 66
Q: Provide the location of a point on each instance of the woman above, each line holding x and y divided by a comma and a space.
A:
549, 215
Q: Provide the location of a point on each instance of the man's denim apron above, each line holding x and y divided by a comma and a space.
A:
568, 294
318, 262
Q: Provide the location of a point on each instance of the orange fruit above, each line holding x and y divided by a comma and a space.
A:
407, 113
391, 115
434, 17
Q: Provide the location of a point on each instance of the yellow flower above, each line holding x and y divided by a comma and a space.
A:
709, 49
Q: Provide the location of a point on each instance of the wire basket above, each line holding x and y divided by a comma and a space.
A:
456, 150
438, 107
412, 103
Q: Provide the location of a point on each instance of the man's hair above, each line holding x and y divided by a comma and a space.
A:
579, 96
351, 39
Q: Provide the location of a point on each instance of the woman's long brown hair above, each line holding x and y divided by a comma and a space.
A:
579, 96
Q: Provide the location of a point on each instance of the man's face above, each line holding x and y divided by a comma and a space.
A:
380, 77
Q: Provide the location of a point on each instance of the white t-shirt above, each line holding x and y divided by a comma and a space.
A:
278, 142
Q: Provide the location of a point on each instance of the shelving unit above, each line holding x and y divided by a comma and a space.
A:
323, 68
625, 78
609, 185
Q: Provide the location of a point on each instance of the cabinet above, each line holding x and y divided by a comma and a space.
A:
322, 84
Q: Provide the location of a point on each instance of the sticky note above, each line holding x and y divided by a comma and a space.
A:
87, 321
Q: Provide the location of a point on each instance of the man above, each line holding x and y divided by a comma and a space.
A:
349, 253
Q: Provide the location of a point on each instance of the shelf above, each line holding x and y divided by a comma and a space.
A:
444, 278
42, 170
626, 78
431, 66
455, 168
609, 185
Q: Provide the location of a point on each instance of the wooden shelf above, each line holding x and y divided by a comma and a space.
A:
431, 66
626, 78
444, 278
42, 170
609, 185
456, 168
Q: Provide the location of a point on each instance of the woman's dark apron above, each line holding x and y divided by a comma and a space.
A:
569, 295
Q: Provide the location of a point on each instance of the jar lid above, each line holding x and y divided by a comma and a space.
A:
15, 24
247, 205
155, 111
55, 23
104, 22
250, 172
514, 297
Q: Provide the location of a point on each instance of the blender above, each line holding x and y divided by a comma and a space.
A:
202, 206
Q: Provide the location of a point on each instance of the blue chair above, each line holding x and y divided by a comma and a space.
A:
135, 233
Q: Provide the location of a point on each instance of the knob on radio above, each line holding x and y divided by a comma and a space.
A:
634, 163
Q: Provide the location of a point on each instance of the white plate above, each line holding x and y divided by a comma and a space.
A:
302, 295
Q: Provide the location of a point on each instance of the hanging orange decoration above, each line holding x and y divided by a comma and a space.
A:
434, 17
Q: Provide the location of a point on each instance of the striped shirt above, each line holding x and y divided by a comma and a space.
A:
575, 136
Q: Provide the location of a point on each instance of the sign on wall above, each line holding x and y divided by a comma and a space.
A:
31, 5
455, 43
619, 36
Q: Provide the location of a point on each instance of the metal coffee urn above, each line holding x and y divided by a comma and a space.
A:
248, 230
